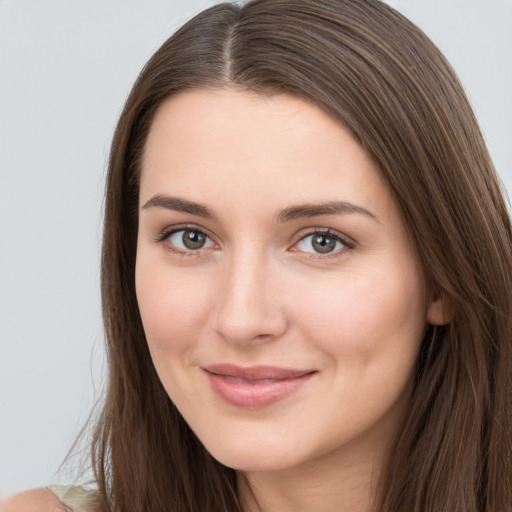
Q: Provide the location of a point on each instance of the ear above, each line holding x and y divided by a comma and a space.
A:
440, 310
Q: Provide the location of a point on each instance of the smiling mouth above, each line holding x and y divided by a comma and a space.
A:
257, 386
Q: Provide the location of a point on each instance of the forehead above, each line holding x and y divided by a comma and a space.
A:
255, 148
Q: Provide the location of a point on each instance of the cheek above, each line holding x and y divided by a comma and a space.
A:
364, 317
173, 308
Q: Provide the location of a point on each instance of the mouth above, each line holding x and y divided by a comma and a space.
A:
256, 386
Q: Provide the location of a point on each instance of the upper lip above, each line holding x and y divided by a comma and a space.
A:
255, 373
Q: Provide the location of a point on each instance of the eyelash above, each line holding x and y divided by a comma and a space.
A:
168, 232
347, 243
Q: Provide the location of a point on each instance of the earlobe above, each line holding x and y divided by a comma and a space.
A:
440, 310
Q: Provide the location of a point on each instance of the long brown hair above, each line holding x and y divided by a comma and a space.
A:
386, 82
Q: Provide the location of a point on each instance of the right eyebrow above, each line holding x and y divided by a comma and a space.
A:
179, 205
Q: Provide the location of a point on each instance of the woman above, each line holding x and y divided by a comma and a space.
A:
306, 274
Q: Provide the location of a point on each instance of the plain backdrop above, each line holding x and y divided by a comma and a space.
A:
66, 67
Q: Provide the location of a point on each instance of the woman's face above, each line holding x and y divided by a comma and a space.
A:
281, 300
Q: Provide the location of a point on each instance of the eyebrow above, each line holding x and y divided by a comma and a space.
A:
306, 211
302, 211
179, 205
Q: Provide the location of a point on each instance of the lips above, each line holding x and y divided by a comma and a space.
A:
256, 386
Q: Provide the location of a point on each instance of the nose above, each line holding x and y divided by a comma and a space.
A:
250, 307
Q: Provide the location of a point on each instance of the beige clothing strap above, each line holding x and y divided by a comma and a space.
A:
76, 498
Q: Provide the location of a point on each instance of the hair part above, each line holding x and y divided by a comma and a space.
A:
382, 78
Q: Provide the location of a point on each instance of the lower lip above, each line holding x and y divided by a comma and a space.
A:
254, 394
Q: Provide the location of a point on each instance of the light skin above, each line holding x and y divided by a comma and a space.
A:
35, 500
296, 258
268, 237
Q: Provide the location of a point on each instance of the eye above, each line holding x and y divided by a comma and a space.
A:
321, 242
189, 240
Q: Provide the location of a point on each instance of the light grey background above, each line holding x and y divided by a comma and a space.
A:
66, 67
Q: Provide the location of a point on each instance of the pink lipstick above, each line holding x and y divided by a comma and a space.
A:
255, 386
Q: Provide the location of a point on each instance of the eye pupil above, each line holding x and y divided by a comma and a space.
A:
193, 239
323, 244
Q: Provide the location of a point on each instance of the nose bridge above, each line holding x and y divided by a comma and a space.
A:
248, 305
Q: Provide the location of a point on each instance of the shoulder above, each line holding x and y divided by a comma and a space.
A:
35, 500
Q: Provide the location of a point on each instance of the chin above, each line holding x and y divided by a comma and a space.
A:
254, 462
255, 456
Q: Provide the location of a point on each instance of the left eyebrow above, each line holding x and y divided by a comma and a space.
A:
306, 211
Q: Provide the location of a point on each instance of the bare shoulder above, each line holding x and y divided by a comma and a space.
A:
35, 500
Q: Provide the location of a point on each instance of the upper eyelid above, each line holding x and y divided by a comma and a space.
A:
348, 244
297, 237
165, 234
169, 230
304, 233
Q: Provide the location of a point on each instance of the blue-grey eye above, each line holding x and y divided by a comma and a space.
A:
190, 239
322, 243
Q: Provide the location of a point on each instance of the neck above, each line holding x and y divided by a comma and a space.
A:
350, 486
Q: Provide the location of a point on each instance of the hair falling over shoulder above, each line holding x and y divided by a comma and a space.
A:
383, 79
